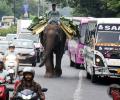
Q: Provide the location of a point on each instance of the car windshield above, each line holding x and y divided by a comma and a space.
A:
24, 44
34, 38
108, 37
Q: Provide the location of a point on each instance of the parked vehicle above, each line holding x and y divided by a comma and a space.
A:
102, 57
26, 50
35, 38
28, 95
76, 44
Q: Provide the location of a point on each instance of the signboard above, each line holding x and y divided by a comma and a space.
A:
22, 26
108, 27
26, 10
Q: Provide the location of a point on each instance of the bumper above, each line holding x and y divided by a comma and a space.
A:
105, 72
27, 59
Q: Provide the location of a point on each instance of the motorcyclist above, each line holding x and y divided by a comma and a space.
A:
11, 56
4, 73
28, 83
53, 15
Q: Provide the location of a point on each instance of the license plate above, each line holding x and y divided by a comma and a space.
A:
118, 71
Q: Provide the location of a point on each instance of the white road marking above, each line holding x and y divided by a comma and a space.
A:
78, 91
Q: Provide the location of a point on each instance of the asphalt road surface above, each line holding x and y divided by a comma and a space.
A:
73, 85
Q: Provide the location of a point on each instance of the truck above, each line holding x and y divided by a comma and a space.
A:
102, 50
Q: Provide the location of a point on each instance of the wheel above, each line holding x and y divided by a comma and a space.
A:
34, 64
7, 94
72, 64
88, 76
77, 66
80, 66
11, 78
93, 78
38, 58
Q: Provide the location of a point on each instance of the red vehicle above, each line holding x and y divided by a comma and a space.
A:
4, 94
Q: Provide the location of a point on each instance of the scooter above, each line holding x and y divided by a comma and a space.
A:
28, 95
11, 66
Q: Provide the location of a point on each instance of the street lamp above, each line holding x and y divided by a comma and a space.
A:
14, 11
38, 8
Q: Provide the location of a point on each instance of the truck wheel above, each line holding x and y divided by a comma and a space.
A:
93, 78
88, 76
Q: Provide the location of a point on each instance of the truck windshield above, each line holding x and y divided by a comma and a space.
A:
108, 37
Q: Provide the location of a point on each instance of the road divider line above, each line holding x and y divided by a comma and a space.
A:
78, 91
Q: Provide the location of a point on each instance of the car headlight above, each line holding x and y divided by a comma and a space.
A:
32, 53
26, 97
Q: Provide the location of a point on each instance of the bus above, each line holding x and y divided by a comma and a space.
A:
76, 44
102, 59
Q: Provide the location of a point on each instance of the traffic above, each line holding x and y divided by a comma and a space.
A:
67, 55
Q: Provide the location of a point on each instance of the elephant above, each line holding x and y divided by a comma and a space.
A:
53, 40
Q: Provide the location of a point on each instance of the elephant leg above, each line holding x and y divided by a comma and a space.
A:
58, 70
49, 66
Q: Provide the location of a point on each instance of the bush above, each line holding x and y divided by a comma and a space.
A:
5, 31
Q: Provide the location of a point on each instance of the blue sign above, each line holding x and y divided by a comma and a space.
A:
26, 8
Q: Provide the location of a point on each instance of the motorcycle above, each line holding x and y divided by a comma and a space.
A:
11, 66
114, 91
28, 95
4, 92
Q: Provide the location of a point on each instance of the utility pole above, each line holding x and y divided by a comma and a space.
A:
14, 12
38, 8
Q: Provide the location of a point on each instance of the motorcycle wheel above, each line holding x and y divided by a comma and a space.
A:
11, 78
7, 95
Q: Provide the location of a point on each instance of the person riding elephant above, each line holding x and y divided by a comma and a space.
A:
53, 15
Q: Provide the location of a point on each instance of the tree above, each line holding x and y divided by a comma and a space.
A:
96, 8
5, 10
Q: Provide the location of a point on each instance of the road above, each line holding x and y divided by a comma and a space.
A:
73, 85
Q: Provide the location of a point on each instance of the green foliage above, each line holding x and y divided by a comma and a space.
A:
5, 9
96, 8
5, 31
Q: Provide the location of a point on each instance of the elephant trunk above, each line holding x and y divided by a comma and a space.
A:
47, 52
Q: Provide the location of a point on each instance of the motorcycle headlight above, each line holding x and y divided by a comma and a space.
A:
26, 97
32, 53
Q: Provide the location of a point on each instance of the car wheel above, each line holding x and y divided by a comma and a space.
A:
72, 64
34, 64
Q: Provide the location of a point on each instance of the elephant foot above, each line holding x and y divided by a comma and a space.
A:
49, 75
57, 73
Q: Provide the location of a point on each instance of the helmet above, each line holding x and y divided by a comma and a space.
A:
28, 70
11, 46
